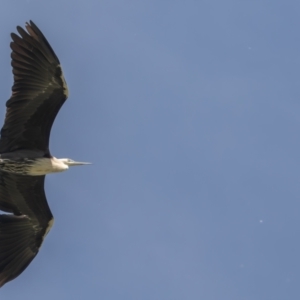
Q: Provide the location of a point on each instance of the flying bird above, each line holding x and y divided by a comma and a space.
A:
38, 92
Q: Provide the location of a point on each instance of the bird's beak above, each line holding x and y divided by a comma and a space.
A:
78, 163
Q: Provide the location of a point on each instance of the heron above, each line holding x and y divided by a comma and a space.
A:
38, 92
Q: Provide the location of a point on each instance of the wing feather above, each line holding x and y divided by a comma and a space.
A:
21, 233
38, 92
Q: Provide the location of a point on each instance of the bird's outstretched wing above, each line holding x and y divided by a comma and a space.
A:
23, 230
38, 92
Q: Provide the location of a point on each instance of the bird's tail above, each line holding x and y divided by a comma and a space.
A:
17, 249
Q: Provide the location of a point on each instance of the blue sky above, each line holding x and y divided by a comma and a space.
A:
189, 111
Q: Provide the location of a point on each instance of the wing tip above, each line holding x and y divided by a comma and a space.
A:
17, 246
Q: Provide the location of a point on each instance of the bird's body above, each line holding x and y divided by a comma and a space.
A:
38, 92
33, 164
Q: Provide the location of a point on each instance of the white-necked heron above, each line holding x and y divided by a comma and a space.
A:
38, 92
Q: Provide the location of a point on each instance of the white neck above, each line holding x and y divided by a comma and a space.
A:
43, 166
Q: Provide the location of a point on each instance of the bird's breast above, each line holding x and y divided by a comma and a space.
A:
32, 167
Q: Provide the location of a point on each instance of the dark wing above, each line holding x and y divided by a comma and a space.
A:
23, 231
38, 92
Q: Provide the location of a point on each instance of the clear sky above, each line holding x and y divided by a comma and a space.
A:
190, 113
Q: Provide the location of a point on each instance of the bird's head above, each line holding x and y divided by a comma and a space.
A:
70, 162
